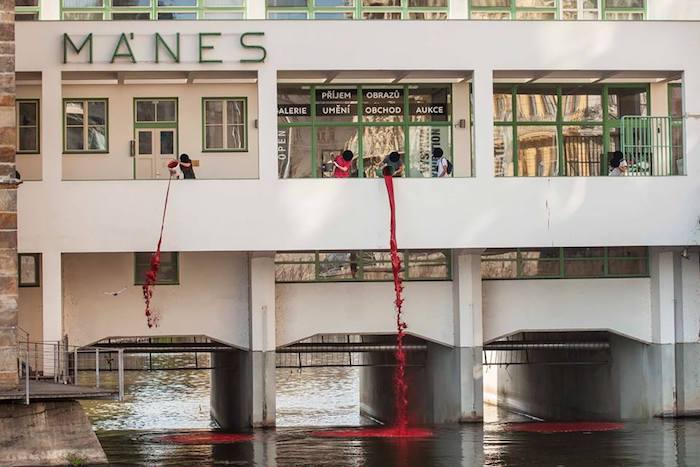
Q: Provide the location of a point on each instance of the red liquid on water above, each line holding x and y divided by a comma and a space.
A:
152, 273
563, 427
207, 438
388, 432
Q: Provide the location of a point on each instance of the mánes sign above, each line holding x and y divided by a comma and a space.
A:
203, 47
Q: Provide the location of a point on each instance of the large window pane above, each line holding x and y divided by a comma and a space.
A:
166, 111
97, 138
97, 112
74, 113
224, 3
293, 104
82, 3
167, 274
584, 268
583, 150
502, 104
74, 139
145, 111
381, 3
338, 104
294, 152
537, 151
503, 151
490, 3
582, 104
378, 142
376, 265
627, 101
284, 3
429, 104
422, 141
120, 3
675, 94
383, 104
624, 3
428, 3
338, 266
536, 105
177, 2
331, 142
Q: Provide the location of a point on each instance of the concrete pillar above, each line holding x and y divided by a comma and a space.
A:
663, 321
51, 135
52, 305
255, 9
267, 122
687, 325
49, 10
468, 333
459, 9
262, 337
8, 201
483, 122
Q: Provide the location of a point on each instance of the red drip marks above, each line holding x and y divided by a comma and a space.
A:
207, 438
563, 427
152, 273
389, 432
400, 386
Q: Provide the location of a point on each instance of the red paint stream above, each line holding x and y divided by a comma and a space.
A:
563, 427
401, 428
152, 273
207, 438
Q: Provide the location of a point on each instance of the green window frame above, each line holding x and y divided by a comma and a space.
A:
228, 139
507, 129
357, 9
29, 269
168, 274
558, 9
158, 120
83, 10
405, 121
565, 263
25, 125
27, 10
361, 266
90, 131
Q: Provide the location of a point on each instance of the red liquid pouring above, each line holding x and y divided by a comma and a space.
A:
152, 273
400, 386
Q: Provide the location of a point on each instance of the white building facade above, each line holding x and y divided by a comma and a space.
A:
528, 240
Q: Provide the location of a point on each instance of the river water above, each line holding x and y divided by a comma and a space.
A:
161, 403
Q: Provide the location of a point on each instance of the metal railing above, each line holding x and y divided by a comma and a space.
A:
59, 363
652, 146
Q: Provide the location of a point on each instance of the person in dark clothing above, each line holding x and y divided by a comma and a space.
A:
186, 167
393, 165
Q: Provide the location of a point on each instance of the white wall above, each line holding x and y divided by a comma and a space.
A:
211, 300
622, 306
304, 310
118, 165
248, 215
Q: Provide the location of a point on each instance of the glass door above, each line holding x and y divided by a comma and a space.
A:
155, 147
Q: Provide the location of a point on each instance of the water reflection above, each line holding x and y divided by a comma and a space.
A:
167, 402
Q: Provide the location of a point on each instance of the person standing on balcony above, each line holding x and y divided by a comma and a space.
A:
393, 165
618, 164
342, 164
186, 167
441, 167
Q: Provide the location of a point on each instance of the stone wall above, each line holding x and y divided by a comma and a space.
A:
8, 199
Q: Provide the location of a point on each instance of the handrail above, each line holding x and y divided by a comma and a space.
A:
52, 358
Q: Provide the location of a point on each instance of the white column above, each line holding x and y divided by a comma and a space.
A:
52, 127
255, 9
262, 337
468, 332
459, 9
663, 317
50, 10
267, 123
483, 122
52, 305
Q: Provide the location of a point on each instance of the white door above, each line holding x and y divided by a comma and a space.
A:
154, 148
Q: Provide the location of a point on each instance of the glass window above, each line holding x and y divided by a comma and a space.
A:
168, 273
560, 130
29, 269
364, 9
537, 151
27, 126
85, 125
225, 124
156, 111
410, 119
153, 9
564, 263
360, 265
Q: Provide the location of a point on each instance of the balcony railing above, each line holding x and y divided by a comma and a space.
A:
653, 146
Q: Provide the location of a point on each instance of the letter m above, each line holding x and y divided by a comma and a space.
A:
68, 42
